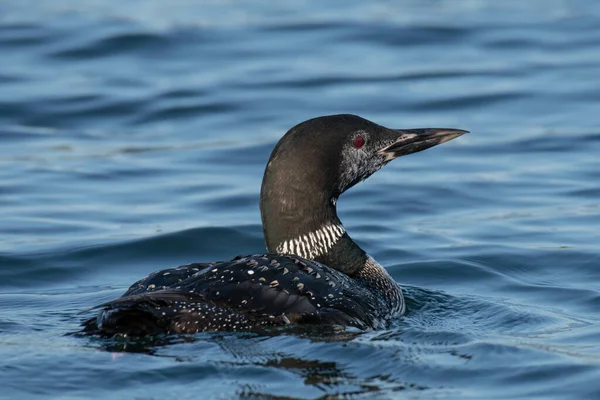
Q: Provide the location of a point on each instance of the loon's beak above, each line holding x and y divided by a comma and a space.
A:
413, 140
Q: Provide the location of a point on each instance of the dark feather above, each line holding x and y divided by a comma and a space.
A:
242, 294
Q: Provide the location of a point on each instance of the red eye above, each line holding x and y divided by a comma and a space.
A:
359, 142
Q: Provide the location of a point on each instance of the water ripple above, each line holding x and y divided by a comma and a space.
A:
135, 134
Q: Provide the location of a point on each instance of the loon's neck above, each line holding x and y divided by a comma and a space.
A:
307, 225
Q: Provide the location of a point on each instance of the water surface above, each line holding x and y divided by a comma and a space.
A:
134, 136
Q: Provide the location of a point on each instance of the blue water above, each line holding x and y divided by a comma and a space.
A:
134, 136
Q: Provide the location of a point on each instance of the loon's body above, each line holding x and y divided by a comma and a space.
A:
314, 272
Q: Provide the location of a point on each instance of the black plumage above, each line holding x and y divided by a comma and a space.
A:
246, 293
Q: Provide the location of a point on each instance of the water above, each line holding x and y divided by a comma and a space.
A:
134, 136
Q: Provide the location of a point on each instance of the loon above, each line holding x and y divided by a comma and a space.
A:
313, 273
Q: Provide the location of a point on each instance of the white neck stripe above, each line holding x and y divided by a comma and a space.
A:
315, 243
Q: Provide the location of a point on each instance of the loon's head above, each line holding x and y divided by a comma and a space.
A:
318, 160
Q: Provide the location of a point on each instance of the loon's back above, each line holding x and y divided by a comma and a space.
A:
246, 293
